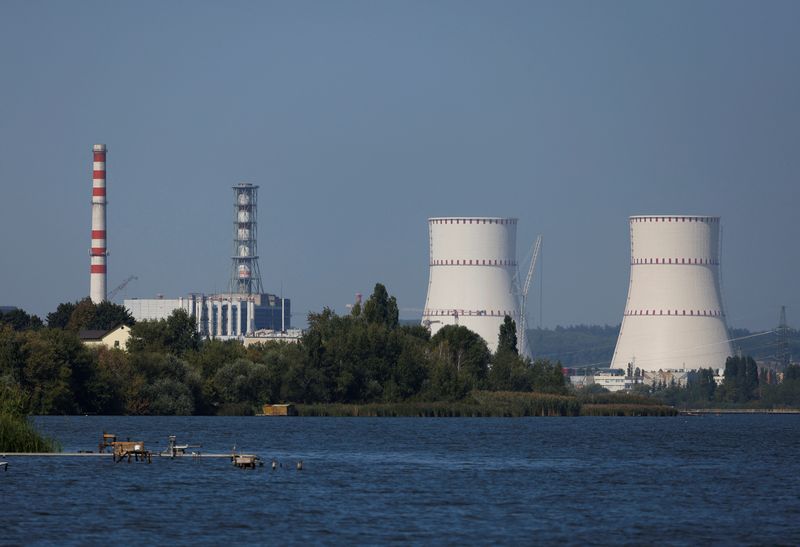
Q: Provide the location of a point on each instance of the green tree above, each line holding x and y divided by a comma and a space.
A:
60, 318
20, 320
507, 340
381, 308
177, 335
464, 351
109, 315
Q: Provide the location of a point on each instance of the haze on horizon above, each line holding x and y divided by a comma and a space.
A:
359, 120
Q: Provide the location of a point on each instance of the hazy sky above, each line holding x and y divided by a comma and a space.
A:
359, 120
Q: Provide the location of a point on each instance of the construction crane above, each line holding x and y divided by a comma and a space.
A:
119, 287
523, 327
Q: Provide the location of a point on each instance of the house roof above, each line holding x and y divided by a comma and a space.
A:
92, 334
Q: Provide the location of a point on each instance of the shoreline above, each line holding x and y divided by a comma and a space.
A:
696, 411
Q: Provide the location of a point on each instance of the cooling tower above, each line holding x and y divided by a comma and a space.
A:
472, 268
674, 318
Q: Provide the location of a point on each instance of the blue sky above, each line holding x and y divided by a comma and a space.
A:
359, 120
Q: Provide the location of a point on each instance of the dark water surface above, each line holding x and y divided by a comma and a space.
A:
695, 480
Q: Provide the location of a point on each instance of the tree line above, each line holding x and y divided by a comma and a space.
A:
363, 357
743, 384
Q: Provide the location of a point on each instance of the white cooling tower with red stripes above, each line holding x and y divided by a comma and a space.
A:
98, 251
674, 318
472, 271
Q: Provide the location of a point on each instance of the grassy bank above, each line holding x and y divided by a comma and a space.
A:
18, 435
498, 404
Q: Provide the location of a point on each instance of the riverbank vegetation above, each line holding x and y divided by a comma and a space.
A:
362, 363
17, 434
363, 358
743, 386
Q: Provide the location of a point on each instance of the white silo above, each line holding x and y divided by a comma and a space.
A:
472, 271
674, 318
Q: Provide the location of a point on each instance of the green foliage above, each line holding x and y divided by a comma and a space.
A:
741, 380
176, 334
476, 404
507, 340
60, 318
380, 308
16, 432
20, 320
86, 315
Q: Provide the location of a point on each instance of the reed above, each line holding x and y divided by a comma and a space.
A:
18, 435
610, 409
479, 404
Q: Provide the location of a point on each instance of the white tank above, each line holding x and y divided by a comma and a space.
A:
244, 199
243, 216
674, 318
244, 250
243, 233
472, 267
244, 272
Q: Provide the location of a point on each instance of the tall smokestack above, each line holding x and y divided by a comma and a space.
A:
97, 275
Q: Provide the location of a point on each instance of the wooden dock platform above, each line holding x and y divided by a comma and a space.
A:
103, 455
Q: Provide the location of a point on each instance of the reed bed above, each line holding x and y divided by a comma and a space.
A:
481, 404
610, 409
18, 435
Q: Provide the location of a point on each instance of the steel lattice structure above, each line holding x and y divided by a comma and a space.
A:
245, 274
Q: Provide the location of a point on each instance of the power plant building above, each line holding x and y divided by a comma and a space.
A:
674, 317
220, 315
473, 269
245, 309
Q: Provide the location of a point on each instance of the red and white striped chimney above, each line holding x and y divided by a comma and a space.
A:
98, 253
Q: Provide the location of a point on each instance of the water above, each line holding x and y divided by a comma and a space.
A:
694, 480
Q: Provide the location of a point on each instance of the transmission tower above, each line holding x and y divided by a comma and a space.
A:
783, 340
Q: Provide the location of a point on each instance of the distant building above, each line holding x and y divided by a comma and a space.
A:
610, 379
291, 336
220, 315
116, 338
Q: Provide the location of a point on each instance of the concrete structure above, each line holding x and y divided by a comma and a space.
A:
245, 274
290, 336
98, 252
472, 271
674, 318
116, 338
610, 379
220, 315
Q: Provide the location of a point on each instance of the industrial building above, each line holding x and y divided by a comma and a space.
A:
674, 318
220, 315
245, 309
473, 269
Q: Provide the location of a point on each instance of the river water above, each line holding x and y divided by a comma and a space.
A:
511, 481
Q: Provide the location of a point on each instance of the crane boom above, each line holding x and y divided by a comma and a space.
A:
121, 286
529, 278
523, 326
